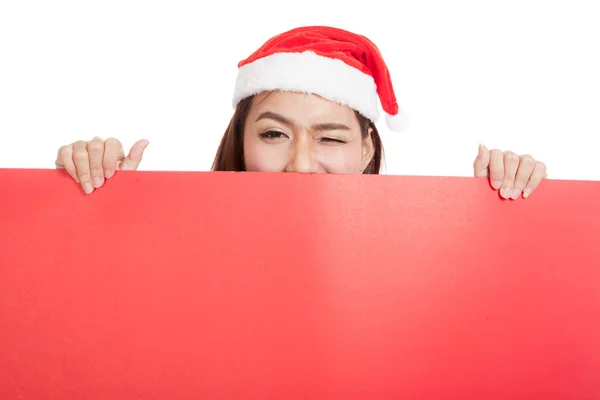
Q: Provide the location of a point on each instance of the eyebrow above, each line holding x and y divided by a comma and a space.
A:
325, 126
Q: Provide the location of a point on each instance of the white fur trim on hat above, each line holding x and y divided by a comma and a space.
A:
308, 72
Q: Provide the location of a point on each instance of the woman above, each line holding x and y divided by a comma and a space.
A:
305, 101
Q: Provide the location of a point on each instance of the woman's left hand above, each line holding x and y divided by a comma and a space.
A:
510, 173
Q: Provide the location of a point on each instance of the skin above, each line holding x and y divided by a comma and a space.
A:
511, 174
293, 132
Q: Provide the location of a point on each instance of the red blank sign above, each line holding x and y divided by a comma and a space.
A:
240, 285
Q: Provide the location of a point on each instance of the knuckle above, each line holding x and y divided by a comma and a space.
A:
511, 156
520, 182
80, 155
95, 171
95, 146
533, 183
496, 174
541, 165
112, 142
65, 151
498, 178
528, 160
109, 162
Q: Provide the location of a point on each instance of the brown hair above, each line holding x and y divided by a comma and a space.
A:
230, 154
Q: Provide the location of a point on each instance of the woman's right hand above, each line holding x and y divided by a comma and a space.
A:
90, 163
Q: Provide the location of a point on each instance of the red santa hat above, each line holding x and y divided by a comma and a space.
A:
335, 64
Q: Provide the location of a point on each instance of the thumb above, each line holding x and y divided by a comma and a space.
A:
482, 162
133, 159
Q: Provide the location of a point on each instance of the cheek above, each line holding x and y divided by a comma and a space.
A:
341, 160
262, 157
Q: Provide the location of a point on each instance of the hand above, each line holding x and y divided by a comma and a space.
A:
510, 173
90, 163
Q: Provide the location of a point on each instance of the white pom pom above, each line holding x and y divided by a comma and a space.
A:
398, 122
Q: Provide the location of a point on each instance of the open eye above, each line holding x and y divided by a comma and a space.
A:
273, 135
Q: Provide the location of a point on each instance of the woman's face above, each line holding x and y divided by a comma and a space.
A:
295, 132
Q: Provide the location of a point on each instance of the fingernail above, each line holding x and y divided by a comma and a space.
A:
506, 192
108, 173
97, 182
88, 188
515, 194
527, 192
480, 152
497, 184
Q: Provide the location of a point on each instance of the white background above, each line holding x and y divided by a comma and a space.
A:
519, 75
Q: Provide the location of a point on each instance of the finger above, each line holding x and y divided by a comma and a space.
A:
539, 173
496, 168
511, 165
113, 153
96, 152
82, 163
133, 159
64, 159
482, 162
526, 165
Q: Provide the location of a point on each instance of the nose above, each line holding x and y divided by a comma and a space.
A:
302, 157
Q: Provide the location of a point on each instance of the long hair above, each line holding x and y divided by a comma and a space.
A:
230, 154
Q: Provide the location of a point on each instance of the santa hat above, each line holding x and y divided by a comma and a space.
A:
335, 64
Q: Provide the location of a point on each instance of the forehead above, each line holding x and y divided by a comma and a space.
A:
301, 107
